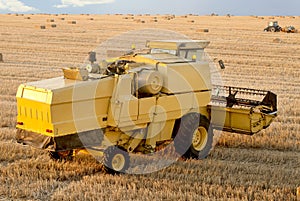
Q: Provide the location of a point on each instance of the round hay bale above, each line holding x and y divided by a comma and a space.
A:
202, 30
1, 57
50, 20
42, 27
72, 22
277, 40
53, 25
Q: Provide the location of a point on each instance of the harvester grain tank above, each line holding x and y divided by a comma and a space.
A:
137, 103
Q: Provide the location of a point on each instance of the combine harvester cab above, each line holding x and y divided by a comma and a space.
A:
138, 103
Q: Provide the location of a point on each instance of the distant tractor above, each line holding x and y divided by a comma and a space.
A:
273, 27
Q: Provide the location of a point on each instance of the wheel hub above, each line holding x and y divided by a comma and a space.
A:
200, 138
118, 162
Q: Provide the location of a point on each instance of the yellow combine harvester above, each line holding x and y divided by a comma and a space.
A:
136, 103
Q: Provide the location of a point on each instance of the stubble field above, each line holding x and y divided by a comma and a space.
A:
265, 166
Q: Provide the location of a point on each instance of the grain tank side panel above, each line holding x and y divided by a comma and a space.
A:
84, 106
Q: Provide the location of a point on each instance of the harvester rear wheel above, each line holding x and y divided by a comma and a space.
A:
194, 137
61, 155
116, 160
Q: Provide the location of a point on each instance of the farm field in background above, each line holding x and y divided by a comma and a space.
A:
265, 166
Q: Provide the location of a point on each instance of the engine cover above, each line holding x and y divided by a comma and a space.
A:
149, 81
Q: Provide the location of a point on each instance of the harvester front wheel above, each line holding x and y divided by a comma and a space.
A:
116, 160
202, 140
194, 137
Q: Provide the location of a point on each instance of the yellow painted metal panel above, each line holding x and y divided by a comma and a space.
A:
159, 131
201, 99
241, 120
35, 116
63, 95
175, 44
163, 45
180, 78
146, 109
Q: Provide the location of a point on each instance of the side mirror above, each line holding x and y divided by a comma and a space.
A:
221, 64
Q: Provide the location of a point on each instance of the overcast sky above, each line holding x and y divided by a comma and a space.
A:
178, 7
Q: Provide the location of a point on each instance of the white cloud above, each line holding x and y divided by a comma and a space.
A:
15, 6
60, 6
81, 3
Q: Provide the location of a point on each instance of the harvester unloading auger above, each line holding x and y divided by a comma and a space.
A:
137, 102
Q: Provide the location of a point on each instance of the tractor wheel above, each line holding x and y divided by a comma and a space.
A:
194, 138
116, 160
61, 155
272, 29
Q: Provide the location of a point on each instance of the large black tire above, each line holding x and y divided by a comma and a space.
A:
272, 29
194, 138
61, 155
116, 160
